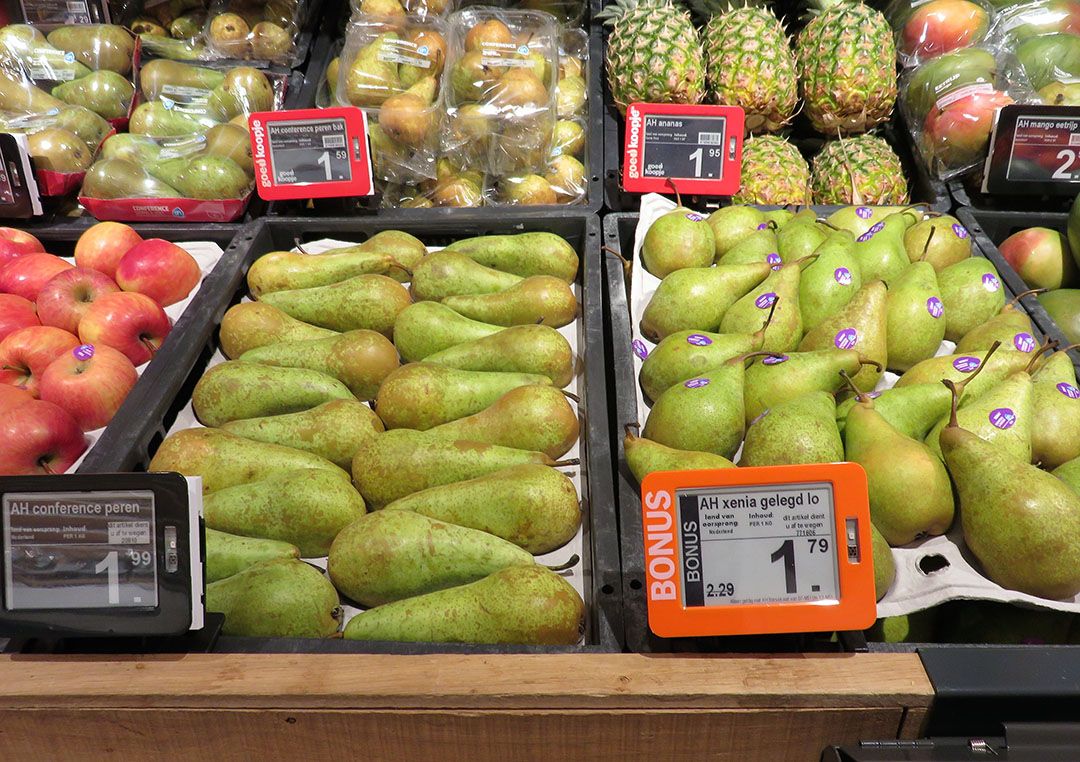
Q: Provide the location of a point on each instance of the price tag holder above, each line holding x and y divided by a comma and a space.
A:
694, 149
310, 153
758, 550
100, 555
1034, 150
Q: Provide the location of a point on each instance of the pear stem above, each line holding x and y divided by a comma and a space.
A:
678, 196
570, 563
800, 260
827, 224
567, 462
299, 246
1067, 347
878, 366
572, 396
752, 355
859, 394
955, 396
400, 266
768, 320
920, 207
926, 246
963, 384
1016, 299
628, 427
1038, 353
626, 264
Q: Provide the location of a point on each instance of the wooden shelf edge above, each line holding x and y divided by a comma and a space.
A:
587, 681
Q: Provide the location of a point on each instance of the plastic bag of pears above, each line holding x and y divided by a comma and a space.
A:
259, 30
84, 65
181, 98
394, 71
62, 142
403, 9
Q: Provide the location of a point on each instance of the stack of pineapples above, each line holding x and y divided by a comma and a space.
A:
843, 62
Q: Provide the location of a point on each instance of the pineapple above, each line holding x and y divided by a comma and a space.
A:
749, 63
858, 170
653, 53
773, 172
847, 63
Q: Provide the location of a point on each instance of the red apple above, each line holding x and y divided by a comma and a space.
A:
24, 276
160, 269
12, 396
103, 245
26, 353
133, 323
66, 298
1041, 257
16, 313
39, 438
15, 243
958, 134
90, 383
943, 25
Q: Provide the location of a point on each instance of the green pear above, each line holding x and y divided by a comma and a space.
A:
422, 395
914, 317
800, 430
912, 410
731, 224
917, 627
447, 273
801, 238
696, 299
359, 359
859, 219
880, 250
370, 80
18, 95
213, 177
759, 246
678, 239
104, 92
224, 460
23, 47
306, 508
390, 555
860, 325
1022, 523
1069, 473
161, 76
168, 170
1063, 304
528, 418
783, 216
116, 178
1012, 327
830, 281
236, 390
333, 430
155, 119
643, 456
249, 325
972, 294
535, 349
229, 554
98, 46
1055, 429
784, 377
957, 368
276, 599
405, 249
942, 241
365, 301
535, 507
402, 461
424, 328
137, 149
894, 464
778, 296
884, 566
538, 299
525, 605
244, 90
687, 354
522, 254
84, 123
288, 270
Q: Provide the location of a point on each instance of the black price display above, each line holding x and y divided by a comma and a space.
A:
79, 550
756, 545
309, 151
684, 146
1034, 150
54, 12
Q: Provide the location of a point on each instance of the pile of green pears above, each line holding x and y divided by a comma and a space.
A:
773, 333
431, 502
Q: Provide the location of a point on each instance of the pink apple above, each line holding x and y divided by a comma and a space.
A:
1041, 257
12, 396
39, 438
958, 134
26, 353
943, 25
103, 245
65, 299
15, 243
160, 269
16, 313
90, 383
24, 276
133, 323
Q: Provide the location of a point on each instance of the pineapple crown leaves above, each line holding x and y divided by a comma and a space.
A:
706, 9
611, 14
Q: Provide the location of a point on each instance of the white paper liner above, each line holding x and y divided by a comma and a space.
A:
913, 590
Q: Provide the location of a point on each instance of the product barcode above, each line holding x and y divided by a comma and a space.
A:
710, 138
333, 141
76, 7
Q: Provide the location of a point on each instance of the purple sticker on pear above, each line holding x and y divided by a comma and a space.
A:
935, 307
1024, 342
639, 348
873, 395
774, 359
765, 301
864, 212
960, 230
763, 226
695, 217
698, 340
1002, 417
966, 364
1069, 390
83, 351
774, 260
696, 383
846, 338
842, 275
759, 416
990, 282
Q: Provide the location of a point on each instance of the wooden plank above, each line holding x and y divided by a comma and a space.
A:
914, 722
235, 735
587, 681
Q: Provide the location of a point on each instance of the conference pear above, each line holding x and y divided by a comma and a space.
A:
830, 281
783, 377
696, 299
680, 238
116, 178
1063, 304
884, 565
250, 325
1069, 473
643, 456
801, 237
859, 219
424, 328
535, 349
104, 92
800, 430
1012, 327
161, 76
229, 554
958, 367
880, 250
18, 95
1055, 428
276, 599
686, 354
971, 293
235, 390
522, 254
287, 270
370, 79
538, 299
153, 119
861, 325
98, 46
942, 241
780, 288
914, 317
731, 224
448, 273
759, 246
364, 301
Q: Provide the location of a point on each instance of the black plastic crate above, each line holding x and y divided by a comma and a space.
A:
988, 229
148, 416
967, 192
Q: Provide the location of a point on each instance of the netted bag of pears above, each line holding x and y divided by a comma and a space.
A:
87, 65
258, 30
393, 69
183, 99
500, 99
